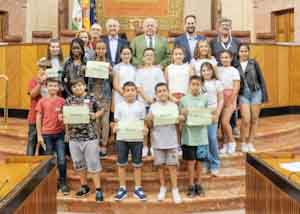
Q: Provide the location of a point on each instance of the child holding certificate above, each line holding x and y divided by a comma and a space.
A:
102, 90
83, 140
146, 79
50, 129
214, 90
130, 129
194, 137
162, 118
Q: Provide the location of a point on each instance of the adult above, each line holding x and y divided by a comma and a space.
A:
113, 41
189, 39
86, 38
96, 28
225, 41
150, 39
96, 33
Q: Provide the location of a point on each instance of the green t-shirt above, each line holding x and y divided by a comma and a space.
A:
194, 135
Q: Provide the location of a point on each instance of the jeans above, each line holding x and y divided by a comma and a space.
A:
213, 155
55, 143
32, 141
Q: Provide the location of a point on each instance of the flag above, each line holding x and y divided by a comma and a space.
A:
76, 16
85, 4
93, 12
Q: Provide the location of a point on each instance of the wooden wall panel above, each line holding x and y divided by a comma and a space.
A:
66, 50
41, 51
295, 76
2, 71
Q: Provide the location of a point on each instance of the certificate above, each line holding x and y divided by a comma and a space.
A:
165, 115
199, 117
76, 114
130, 130
52, 73
99, 70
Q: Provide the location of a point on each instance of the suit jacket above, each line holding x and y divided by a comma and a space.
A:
121, 43
162, 53
182, 41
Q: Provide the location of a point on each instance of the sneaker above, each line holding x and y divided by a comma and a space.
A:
251, 148
179, 151
236, 132
231, 148
162, 193
224, 150
244, 147
199, 190
64, 189
176, 196
84, 190
103, 152
121, 194
145, 151
191, 191
214, 172
139, 194
99, 196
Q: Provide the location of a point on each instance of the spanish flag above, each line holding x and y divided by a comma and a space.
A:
85, 5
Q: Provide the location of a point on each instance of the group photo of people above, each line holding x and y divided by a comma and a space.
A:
191, 99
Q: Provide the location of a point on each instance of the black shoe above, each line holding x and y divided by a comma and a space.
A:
84, 190
64, 189
199, 190
99, 196
191, 191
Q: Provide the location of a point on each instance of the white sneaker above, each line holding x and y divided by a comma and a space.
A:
162, 193
251, 147
244, 147
145, 151
231, 148
214, 172
224, 150
179, 151
151, 152
176, 196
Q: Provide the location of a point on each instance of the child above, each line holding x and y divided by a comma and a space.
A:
214, 90
193, 136
37, 90
84, 146
55, 54
202, 54
101, 89
50, 129
123, 72
177, 75
230, 78
164, 142
253, 93
146, 79
129, 109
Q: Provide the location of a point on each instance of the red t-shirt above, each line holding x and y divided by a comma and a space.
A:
50, 108
33, 101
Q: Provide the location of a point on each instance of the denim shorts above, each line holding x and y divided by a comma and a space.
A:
135, 148
251, 98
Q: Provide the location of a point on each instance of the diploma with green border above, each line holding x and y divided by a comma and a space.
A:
130, 130
199, 117
76, 114
52, 73
165, 115
95, 69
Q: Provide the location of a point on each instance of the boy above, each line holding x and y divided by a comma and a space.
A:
129, 109
37, 89
50, 129
193, 136
164, 143
83, 140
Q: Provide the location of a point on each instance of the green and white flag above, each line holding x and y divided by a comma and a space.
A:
76, 16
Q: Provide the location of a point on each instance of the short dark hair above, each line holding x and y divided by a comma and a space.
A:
53, 80
129, 84
76, 81
148, 49
160, 84
190, 16
195, 77
226, 51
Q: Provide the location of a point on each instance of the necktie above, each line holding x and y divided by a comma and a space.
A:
150, 42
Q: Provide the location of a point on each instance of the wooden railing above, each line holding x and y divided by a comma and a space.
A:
280, 64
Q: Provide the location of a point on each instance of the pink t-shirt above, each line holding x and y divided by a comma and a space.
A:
33, 102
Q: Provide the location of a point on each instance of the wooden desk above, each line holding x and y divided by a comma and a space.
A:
28, 185
269, 188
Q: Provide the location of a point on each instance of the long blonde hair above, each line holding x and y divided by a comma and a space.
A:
197, 51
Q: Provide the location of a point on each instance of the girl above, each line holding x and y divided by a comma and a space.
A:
253, 93
101, 88
177, 75
55, 54
202, 54
214, 89
123, 72
74, 67
230, 78
86, 38
146, 79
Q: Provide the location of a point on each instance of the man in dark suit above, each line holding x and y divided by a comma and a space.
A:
113, 42
189, 39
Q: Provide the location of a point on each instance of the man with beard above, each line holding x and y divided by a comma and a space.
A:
189, 39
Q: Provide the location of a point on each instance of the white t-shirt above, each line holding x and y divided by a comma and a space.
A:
163, 137
212, 88
227, 75
147, 78
196, 64
126, 72
178, 78
244, 65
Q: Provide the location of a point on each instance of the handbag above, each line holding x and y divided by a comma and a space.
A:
202, 152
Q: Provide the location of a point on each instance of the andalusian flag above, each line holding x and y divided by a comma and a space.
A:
85, 4
76, 16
